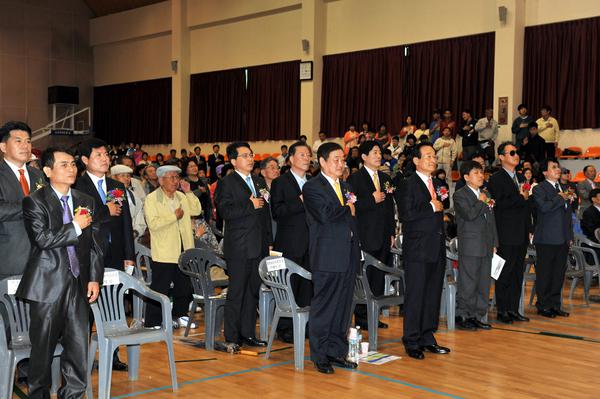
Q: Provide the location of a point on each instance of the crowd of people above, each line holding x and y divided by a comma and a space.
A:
71, 213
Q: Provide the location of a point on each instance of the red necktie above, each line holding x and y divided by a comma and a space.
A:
431, 189
23, 181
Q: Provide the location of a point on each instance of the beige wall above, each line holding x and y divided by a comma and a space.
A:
224, 34
42, 46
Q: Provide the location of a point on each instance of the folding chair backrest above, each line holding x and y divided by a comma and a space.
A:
15, 309
143, 256
109, 309
363, 285
196, 263
581, 258
276, 273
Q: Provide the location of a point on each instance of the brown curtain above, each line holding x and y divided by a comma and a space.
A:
138, 112
455, 73
363, 85
562, 69
386, 85
273, 95
217, 106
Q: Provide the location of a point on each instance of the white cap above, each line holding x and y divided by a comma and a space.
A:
120, 169
163, 170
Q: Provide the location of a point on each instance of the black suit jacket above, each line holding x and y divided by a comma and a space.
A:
554, 216
288, 211
14, 243
118, 228
213, 162
590, 221
333, 234
48, 267
512, 211
423, 233
201, 161
375, 221
247, 230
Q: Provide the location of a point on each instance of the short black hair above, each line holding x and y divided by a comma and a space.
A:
467, 110
417, 150
294, 147
284, 146
546, 107
467, 166
437, 111
479, 154
447, 110
532, 125
387, 151
265, 162
502, 146
303, 137
382, 125
586, 167
594, 192
47, 158
521, 106
173, 150
160, 155
366, 147
327, 148
396, 138
183, 150
545, 163
87, 146
411, 136
13, 125
232, 149
122, 158
197, 148
186, 163
216, 145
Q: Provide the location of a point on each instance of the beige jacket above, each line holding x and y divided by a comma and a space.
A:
166, 232
445, 154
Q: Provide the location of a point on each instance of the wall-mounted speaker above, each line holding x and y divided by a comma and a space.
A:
502, 11
305, 45
174, 65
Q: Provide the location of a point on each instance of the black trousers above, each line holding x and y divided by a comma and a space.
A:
302, 289
550, 150
376, 281
330, 313
242, 299
508, 285
65, 320
550, 274
424, 283
163, 274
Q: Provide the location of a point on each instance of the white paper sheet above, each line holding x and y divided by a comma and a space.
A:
497, 266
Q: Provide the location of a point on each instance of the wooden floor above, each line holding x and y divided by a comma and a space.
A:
545, 358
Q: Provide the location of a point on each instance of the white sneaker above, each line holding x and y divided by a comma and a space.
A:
183, 322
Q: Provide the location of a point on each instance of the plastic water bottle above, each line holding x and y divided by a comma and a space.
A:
353, 345
360, 338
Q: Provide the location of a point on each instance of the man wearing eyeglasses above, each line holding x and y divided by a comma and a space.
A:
513, 221
241, 201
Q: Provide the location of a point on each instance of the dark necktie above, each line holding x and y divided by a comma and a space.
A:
67, 218
557, 187
516, 180
131, 195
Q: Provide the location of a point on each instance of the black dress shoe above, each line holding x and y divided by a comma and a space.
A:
440, 350
504, 317
546, 313
465, 324
286, 336
324, 367
560, 313
516, 316
480, 324
382, 325
252, 341
118, 365
341, 362
415, 353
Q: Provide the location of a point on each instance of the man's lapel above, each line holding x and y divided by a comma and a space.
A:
12, 179
54, 205
243, 184
367, 177
35, 180
91, 189
329, 189
293, 182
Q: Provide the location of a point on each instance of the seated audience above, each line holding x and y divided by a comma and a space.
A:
395, 147
383, 137
585, 187
350, 138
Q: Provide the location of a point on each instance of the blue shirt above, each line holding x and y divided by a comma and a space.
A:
301, 181
70, 202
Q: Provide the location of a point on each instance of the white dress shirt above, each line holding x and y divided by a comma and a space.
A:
15, 170
95, 181
70, 202
426, 179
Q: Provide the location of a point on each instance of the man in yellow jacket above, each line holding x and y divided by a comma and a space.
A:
168, 213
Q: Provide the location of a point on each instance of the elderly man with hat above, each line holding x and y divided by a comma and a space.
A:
123, 174
168, 213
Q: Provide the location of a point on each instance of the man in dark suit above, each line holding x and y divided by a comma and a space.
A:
240, 202
287, 208
477, 242
513, 222
590, 220
17, 181
334, 254
199, 158
215, 159
552, 237
586, 186
424, 254
375, 217
62, 275
113, 216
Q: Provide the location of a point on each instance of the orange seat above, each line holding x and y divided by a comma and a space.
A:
592, 152
257, 157
579, 176
578, 149
558, 153
275, 155
455, 175
265, 155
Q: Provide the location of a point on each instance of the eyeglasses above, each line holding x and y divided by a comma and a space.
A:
246, 155
511, 153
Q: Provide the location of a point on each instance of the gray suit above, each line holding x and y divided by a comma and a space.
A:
14, 242
477, 237
583, 191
